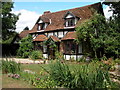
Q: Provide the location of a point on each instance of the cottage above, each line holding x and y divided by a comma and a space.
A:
59, 29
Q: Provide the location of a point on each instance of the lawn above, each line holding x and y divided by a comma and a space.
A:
38, 67
34, 67
42, 80
8, 82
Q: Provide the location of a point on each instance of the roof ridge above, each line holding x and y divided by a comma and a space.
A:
71, 9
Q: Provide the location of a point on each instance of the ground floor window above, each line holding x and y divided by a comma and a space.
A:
70, 47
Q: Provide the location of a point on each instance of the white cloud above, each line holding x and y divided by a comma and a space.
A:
107, 13
27, 18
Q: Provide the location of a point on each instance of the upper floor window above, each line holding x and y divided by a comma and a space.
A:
70, 22
70, 19
41, 26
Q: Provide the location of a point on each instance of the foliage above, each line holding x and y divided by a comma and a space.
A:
38, 80
36, 55
90, 76
26, 46
10, 66
101, 35
61, 74
117, 61
9, 20
82, 59
51, 43
59, 55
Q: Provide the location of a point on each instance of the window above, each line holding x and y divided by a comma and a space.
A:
41, 26
70, 47
44, 48
60, 34
70, 22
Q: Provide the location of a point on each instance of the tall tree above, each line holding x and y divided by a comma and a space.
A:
101, 35
9, 20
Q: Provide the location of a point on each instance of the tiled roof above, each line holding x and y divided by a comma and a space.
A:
40, 38
55, 38
57, 21
24, 33
70, 36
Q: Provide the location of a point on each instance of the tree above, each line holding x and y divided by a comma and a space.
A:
26, 46
8, 21
101, 35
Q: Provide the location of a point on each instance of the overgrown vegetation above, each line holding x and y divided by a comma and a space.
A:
10, 66
90, 76
59, 55
36, 55
101, 35
26, 47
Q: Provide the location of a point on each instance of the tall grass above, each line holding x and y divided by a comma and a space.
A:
9, 66
87, 76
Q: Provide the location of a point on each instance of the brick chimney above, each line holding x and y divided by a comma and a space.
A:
46, 12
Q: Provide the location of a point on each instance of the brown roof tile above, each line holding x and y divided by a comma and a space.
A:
40, 38
24, 33
57, 21
70, 36
55, 38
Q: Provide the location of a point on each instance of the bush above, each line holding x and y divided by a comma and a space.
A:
10, 66
61, 74
36, 55
26, 46
39, 81
59, 55
117, 61
88, 76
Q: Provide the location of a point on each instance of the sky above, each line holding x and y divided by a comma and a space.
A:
30, 11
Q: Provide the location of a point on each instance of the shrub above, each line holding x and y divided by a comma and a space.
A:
36, 55
59, 55
82, 59
88, 76
117, 61
26, 46
61, 74
37, 80
10, 66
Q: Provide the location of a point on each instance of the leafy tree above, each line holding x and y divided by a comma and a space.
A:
101, 35
9, 20
26, 46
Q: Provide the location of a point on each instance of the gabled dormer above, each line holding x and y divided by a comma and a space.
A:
43, 23
70, 19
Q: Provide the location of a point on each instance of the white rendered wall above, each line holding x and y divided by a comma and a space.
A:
60, 34
49, 34
45, 55
69, 16
73, 57
67, 57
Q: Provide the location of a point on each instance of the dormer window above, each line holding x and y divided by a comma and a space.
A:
70, 19
70, 22
41, 26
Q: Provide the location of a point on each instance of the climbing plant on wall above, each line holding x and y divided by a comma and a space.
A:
51, 43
